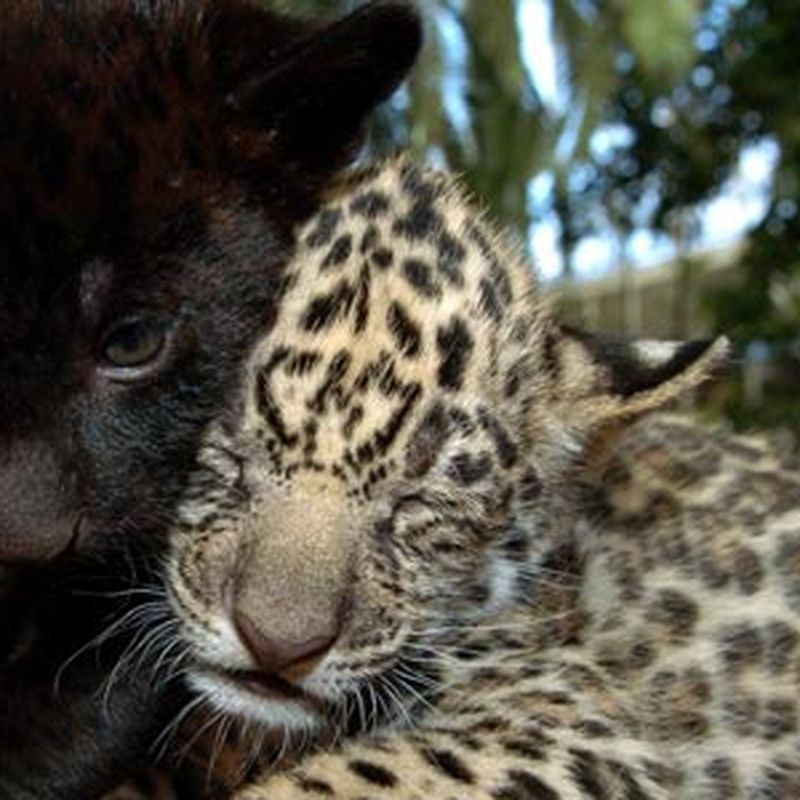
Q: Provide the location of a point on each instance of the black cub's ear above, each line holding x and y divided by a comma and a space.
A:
313, 91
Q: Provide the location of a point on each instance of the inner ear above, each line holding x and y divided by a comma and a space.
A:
616, 378
631, 366
316, 97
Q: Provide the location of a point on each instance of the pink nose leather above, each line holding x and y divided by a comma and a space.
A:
290, 661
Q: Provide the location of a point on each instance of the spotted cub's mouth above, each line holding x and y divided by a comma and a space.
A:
274, 703
270, 687
255, 693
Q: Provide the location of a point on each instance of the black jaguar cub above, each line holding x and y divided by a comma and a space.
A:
155, 158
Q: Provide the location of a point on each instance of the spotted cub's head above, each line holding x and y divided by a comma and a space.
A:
399, 465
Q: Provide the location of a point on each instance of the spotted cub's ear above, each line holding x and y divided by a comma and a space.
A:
606, 380
311, 87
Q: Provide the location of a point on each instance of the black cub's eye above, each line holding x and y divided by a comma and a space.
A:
135, 342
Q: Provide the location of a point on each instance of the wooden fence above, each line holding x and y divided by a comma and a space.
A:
667, 301
664, 301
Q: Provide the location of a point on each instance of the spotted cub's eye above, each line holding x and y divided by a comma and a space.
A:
135, 343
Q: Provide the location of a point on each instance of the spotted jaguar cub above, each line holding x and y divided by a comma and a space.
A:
424, 558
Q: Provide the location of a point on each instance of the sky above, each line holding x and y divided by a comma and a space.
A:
739, 206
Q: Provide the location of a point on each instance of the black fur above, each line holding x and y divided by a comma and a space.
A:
63, 734
155, 157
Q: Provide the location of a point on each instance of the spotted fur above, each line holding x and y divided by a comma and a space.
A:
660, 663
698, 619
529, 601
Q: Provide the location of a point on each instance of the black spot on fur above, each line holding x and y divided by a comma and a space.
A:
594, 729
523, 785
371, 204
327, 223
327, 309
530, 487
488, 301
674, 610
416, 186
267, 406
303, 362
550, 360
467, 469
369, 241
404, 330
373, 773
354, 417
623, 774
339, 252
522, 747
781, 642
455, 346
516, 544
362, 299
721, 773
506, 448
337, 369
420, 276
779, 718
450, 764
451, 257
779, 780
386, 435
586, 770
314, 786
383, 258
426, 442
418, 224
497, 275
513, 380
740, 646
748, 573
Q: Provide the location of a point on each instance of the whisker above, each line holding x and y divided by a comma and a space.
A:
155, 591
161, 744
218, 745
374, 717
117, 626
405, 680
390, 689
197, 735
362, 717
143, 641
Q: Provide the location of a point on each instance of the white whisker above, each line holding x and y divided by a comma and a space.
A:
160, 745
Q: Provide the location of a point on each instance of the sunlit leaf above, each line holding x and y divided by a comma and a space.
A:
661, 35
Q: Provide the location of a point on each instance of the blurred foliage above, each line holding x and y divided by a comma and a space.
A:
673, 91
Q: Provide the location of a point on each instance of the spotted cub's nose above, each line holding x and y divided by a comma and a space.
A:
289, 660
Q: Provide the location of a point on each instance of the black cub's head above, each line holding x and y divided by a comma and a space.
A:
155, 158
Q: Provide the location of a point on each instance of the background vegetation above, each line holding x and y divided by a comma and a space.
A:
613, 126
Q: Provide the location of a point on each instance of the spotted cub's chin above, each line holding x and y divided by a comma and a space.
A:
260, 699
